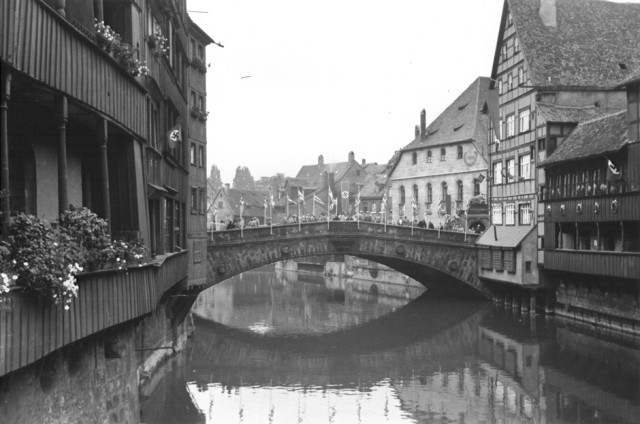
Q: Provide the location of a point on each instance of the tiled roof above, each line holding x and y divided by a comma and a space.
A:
314, 174
592, 138
462, 120
253, 200
594, 44
507, 236
633, 78
552, 113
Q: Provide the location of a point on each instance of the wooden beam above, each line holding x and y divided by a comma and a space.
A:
63, 116
102, 137
4, 149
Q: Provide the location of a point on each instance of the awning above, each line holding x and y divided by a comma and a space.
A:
156, 191
509, 236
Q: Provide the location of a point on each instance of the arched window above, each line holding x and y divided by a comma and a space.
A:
428, 156
476, 187
415, 193
414, 158
443, 154
459, 152
444, 191
459, 187
429, 194
401, 195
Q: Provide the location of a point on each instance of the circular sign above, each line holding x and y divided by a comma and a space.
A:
345, 194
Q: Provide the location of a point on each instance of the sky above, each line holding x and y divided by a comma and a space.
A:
300, 78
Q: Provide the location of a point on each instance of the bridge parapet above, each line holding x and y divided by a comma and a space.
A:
340, 228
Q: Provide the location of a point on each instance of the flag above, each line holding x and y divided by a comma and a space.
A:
241, 205
300, 196
174, 135
373, 208
358, 199
265, 203
290, 200
613, 173
480, 178
414, 204
317, 199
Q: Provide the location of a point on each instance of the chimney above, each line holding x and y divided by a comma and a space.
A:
227, 186
364, 161
423, 124
320, 160
417, 131
548, 13
352, 157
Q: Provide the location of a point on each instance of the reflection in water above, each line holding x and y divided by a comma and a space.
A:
287, 348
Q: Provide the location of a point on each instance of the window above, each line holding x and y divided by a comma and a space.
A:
511, 125
428, 156
401, 195
443, 154
496, 214
510, 214
201, 157
524, 212
511, 170
444, 191
201, 103
525, 166
633, 112
414, 158
194, 200
154, 140
499, 86
476, 187
194, 99
459, 189
509, 82
527, 266
500, 131
497, 260
509, 19
429, 193
193, 48
459, 152
509, 258
200, 51
524, 120
193, 154
516, 46
202, 201
520, 76
415, 193
497, 173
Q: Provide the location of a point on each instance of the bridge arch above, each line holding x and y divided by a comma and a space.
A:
440, 260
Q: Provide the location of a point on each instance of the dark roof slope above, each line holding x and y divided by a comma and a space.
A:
595, 43
553, 113
253, 200
592, 138
461, 120
507, 236
314, 174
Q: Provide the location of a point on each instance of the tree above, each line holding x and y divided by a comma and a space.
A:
274, 181
214, 183
243, 179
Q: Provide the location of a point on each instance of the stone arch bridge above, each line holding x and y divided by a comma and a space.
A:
440, 260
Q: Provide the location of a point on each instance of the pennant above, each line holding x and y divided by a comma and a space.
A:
265, 203
241, 205
300, 196
317, 199
414, 204
273, 203
290, 200
373, 208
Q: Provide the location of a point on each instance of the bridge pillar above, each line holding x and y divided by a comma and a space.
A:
525, 298
532, 304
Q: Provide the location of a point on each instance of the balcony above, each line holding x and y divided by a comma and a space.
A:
605, 263
31, 328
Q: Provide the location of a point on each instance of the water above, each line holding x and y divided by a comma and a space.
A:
274, 347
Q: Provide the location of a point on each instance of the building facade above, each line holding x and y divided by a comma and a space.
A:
445, 166
540, 100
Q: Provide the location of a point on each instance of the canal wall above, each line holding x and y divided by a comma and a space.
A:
98, 379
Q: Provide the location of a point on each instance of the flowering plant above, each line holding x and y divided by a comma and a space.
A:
196, 112
45, 258
158, 42
124, 53
199, 64
107, 37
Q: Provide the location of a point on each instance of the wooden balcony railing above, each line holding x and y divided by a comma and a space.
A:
614, 264
31, 328
43, 45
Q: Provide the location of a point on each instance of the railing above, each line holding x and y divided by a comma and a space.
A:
339, 228
43, 45
614, 264
31, 328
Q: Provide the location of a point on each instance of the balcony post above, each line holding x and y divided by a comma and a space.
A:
98, 10
62, 110
4, 140
61, 5
102, 139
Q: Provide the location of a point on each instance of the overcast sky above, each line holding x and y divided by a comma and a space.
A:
300, 78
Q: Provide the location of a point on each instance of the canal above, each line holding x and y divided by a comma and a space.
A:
273, 346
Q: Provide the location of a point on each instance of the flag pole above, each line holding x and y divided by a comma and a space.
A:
298, 214
271, 208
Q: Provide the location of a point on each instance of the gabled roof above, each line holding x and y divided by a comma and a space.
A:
633, 78
314, 175
504, 236
592, 138
593, 45
253, 200
462, 120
